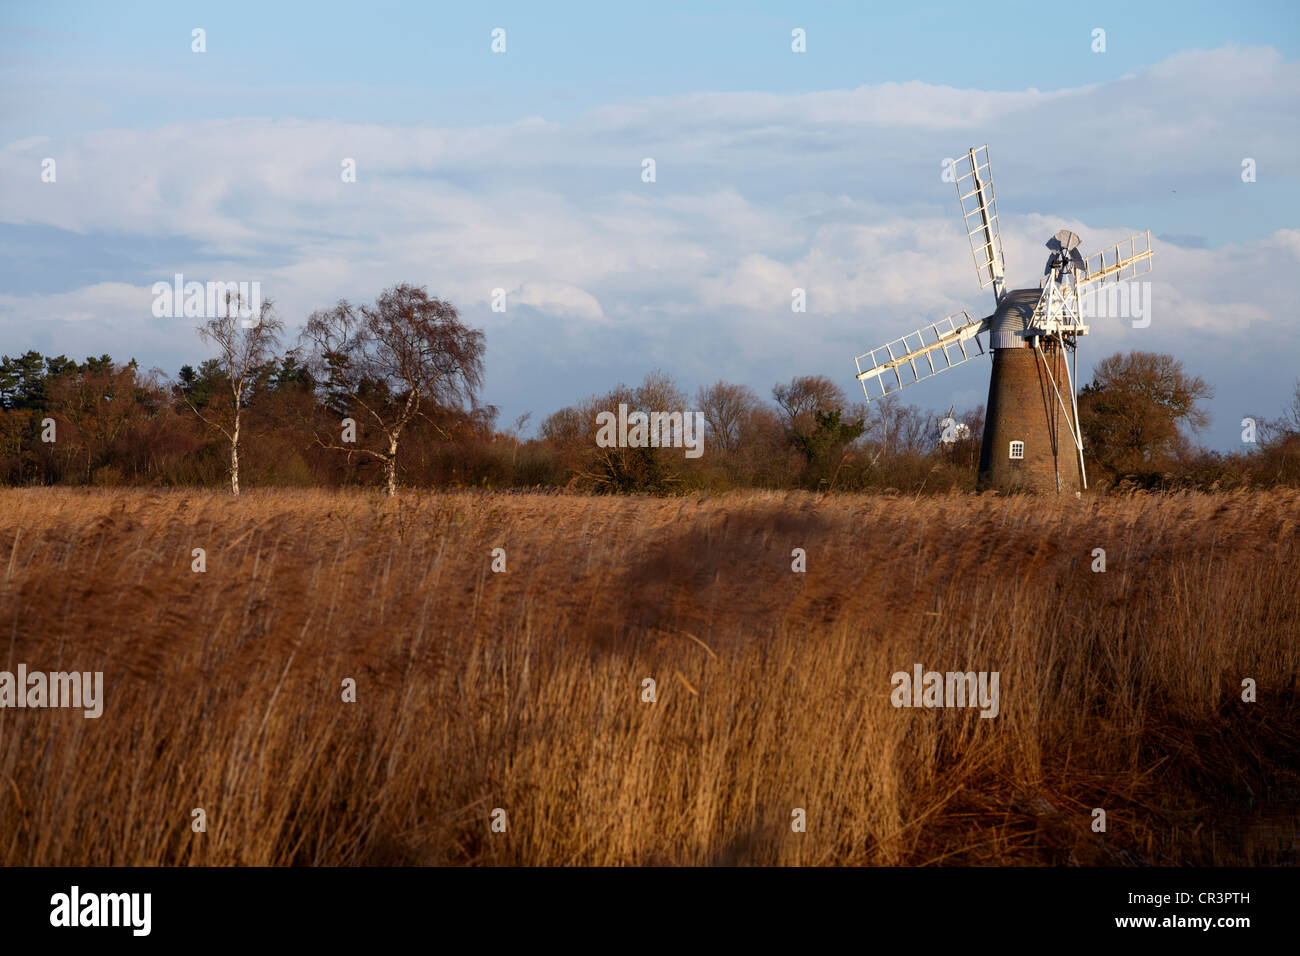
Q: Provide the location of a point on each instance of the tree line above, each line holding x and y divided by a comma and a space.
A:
387, 394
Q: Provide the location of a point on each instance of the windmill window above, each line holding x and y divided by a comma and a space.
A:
1017, 449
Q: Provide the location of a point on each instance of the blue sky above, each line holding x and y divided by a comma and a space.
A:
775, 170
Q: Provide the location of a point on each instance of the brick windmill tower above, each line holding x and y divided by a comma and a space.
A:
1032, 440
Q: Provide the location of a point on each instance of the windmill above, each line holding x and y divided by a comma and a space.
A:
1031, 439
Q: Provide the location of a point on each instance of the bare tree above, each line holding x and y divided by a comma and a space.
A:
727, 408
805, 396
243, 348
515, 435
900, 429
1278, 430
385, 362
658, 392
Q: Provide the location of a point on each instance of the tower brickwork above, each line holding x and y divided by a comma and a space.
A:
1023, 407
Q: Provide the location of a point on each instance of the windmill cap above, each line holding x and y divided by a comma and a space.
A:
1064, 241
1012, 317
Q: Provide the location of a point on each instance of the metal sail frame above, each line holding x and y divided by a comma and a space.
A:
932, 342
979, 210
1110, 267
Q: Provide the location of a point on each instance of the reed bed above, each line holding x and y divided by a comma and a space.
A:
522, 690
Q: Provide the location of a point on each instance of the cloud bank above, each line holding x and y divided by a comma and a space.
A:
606, 276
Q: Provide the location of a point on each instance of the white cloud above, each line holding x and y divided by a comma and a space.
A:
560, 299
111, 301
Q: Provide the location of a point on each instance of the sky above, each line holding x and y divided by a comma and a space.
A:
522, 171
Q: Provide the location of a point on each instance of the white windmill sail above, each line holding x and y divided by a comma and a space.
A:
979, 209
1123, 261
921, 354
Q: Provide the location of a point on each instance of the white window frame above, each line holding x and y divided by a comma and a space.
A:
1011, 451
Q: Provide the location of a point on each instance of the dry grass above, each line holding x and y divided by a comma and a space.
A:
522, 690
